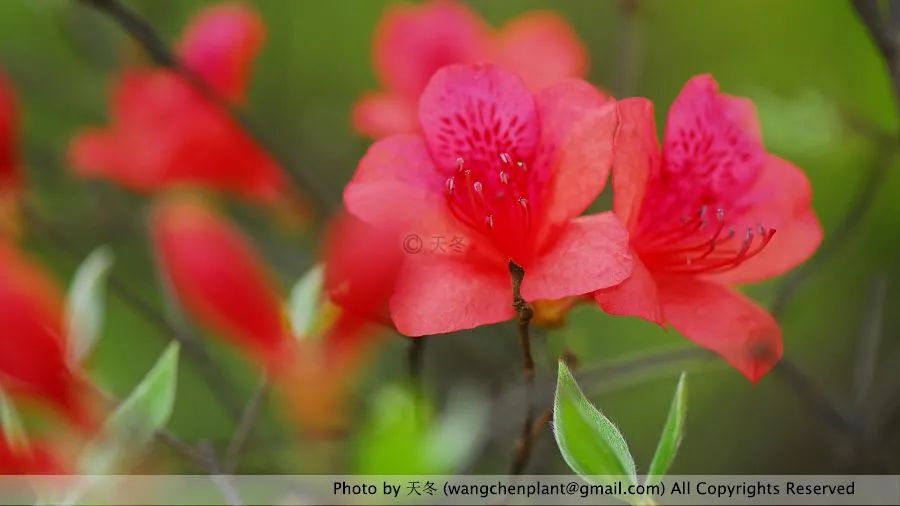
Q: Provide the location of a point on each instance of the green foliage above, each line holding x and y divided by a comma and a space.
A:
404, 436
86, 303
672, 433
595, 449
305, 302
128, 431
11, 423
590, 443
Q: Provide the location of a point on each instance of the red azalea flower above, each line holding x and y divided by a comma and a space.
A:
711, 209
165, 133
219, 278
412, 42
33, 358
503, 174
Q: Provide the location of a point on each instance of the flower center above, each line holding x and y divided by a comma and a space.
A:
494, 199
702, 244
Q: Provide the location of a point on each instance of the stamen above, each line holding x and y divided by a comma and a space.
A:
690, 248
492, 197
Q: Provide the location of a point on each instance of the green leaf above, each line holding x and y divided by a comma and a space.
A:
671, 434
305, 301
11, 424
455, 437
86, 303
130, 428
590, 443
403, 435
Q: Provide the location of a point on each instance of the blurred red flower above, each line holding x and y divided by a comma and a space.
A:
11, 178
165, 133
361, 265
498, 174
703, 214
33, 354
10, 172
413, 41
220, 278
34, 459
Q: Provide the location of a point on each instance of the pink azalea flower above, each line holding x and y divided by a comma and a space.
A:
507, 173
412, 42
709, 210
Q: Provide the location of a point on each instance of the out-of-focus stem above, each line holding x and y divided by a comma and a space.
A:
249, 419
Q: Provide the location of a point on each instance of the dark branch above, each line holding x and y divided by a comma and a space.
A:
524, 313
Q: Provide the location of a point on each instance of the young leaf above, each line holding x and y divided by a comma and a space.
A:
86, 303
590, 443
671, 435
11, 425
305, 301
130, 428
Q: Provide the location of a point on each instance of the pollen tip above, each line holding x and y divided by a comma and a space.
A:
477, 186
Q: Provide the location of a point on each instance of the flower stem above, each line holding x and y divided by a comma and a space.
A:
524, 314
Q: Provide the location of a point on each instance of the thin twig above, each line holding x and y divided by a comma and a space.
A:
193, 348
159, 51
415, 358
868, 346
249, 419
524, 313
220, 479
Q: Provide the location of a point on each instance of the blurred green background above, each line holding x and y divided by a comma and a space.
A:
824, 101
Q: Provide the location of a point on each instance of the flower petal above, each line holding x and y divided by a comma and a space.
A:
395, 183
220, 45
438, 293
589, 254
712, 152
636, 296
413, 42
781, 201
724, 321
378, 115
477, 112
219, 277
637, 156
350, 279
542, 48
577, 127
